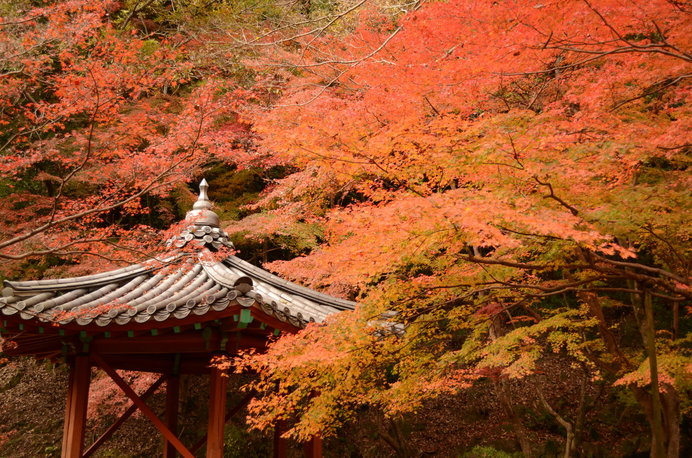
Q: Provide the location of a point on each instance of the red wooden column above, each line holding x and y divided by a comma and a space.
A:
217, 413
172, 402
280, 444
75, 413
313, 448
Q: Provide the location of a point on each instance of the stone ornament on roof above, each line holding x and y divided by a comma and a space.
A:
204, 228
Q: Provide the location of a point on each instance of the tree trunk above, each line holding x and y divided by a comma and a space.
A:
503, 393
391, 434
670, 403
570, 439
621, 363
658, 449
581, 410
661, 410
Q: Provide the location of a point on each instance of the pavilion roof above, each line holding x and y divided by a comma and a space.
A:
190, 282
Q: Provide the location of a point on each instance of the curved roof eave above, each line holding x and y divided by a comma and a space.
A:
148, 293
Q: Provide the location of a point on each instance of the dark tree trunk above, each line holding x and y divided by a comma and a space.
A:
503, 393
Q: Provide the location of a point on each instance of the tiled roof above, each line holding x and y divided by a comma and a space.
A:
191, 284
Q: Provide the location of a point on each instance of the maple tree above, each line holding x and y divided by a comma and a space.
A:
511, 181
99, 122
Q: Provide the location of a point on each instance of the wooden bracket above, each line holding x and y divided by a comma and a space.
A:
114, 427
143, 407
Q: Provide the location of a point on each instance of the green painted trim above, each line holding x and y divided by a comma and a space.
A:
176, 329
198, 326
41, 330
236, 318
263, 325
246, 316
154, 332
224, 342
86, 341
21, 326
277, 332
61, 332
130, 333
4, 323
107, 335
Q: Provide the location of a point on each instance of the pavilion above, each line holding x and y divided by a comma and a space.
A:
169, 317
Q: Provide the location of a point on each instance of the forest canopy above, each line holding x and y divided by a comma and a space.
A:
502, 186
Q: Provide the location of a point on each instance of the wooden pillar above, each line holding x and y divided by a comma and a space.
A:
280, 444
313, 448
172, 402
68, 409
217, 413
76, 409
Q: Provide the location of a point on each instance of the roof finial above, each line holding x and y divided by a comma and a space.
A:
203, 202
201, 213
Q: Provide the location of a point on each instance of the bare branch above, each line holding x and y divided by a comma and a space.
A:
552, 195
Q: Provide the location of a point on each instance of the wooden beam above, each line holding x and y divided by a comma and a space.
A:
313, 448
34, 344
143, 407
218, 383
173, 343
177, 343
114, 427
172, 401
280, 444
75, 412
162, 364
31, 341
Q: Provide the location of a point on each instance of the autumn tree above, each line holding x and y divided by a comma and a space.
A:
100, 120
506, 181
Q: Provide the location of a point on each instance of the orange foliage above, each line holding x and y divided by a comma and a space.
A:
96, 122
500, 158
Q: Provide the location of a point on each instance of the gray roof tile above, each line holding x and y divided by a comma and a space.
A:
169, 290
141, 295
